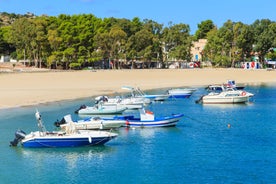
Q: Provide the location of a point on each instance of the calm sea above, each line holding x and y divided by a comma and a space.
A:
200, 149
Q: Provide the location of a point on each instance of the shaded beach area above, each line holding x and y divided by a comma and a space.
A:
30, 88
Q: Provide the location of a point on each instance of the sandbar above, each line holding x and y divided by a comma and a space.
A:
31, 88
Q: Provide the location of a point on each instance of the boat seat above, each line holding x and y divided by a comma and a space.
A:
70, 128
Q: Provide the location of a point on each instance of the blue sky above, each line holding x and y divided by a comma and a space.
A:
190, 12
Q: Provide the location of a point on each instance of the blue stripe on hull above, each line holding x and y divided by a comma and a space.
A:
132, 124
161, 122
66, 142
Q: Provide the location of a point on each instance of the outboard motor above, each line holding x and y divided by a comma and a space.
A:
64, 120
199, 100
19, 135
81, 107
61, 122
101, 99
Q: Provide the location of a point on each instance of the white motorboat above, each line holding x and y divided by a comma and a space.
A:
229, 96
71, 137
181, 92
90, 123
127, 102
156, 97
138, 93
100, 109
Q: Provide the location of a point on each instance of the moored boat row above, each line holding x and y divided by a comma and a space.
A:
98, 130
88, 132
137, 99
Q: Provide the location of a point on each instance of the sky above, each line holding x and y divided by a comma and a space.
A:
191, 12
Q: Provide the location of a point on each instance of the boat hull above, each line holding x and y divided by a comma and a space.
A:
74, 140
127, 106
229, 96
96, 125
157, 97
181, 93
104, 111
157, 122
225, 100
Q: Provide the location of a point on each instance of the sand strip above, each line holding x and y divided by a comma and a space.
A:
21, 89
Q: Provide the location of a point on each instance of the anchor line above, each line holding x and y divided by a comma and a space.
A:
197, 120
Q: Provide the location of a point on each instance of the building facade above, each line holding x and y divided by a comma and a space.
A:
197, 48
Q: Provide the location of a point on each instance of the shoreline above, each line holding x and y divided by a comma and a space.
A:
31, 88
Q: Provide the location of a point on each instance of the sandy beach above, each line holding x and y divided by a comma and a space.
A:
30, 88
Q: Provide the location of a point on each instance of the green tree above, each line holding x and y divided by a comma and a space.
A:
55, 41
111, 44
272, 33
222, 47
40, 45
245, 41
262, 40
271, 54
139, 45
117, 42
203, 28
22, 35
177, 42
156, 29
5, 46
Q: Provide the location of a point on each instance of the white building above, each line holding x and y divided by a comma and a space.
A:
4, 59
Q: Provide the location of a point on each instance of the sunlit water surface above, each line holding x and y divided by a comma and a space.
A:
202, 148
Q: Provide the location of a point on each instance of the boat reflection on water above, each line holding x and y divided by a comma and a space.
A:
69, 157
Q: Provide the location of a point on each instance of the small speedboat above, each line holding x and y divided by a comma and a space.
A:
71, 137
137, 92
156, 97
127, 102
148, 119
229, 96
100, 109
181, 92
90, 123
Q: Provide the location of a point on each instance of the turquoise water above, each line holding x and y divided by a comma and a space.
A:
200, 149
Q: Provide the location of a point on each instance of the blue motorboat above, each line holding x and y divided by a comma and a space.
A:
148, 119
71, 137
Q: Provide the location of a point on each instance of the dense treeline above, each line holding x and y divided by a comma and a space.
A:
78, 41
